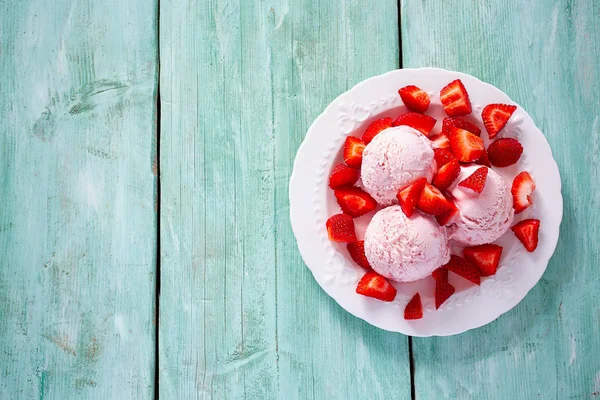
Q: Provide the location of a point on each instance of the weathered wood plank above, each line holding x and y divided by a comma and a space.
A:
241, 316
77, 218
545, 56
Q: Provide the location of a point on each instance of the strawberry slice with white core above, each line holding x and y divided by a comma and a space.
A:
354, 201
440, 141
409, 196
522, 190
353, 150
376, 286
414, 98
446, 175
527, 231
432, 201
455, 99
495, 117
465, 146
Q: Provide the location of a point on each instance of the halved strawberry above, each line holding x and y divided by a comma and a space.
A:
374, 285
505, 152
455, 99
443, 291
522, 188
443, 156
340, 228
414, 308
409, 196
440, 274
440, 141
422, 123
527, 232
342, 175
464, 268
447, 217
461, 123
354, 201
357, 252
432, 201
486, 257
476, 181
465, 146
376, 127
353, 150
414, 98
484, 160
495, 117
446, 175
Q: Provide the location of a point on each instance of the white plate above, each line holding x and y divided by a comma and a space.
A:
312, 203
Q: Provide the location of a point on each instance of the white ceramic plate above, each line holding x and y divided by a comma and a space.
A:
312, 203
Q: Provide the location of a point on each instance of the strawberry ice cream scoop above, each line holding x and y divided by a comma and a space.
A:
395, 158
483, 217
405, 249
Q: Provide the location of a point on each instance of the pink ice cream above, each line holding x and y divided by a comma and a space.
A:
395, 158
485, 216
405, 249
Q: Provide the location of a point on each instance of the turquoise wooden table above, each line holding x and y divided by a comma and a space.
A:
145, 244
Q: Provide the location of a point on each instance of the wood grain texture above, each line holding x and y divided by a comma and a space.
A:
544, 54
241, 316
77, 218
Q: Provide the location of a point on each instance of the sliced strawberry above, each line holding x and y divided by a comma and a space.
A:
432, 201
422, 123
446, 175
505, 152
414, 98
414, 308
376, 127
459, 123
440, 141
342, 175
354, 201
495, 117
455, 99
440, 274
443, 156
357, 252
443, 291
409, 196
484, 160
447, 217
465, 146
522, 188
340, 228
476, 181
353, 149
464, 268
527, 232
486, 257
374, 285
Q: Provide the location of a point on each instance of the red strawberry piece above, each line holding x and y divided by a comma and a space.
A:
448, 216
522, 188
357, 252
495, 117
353, 149
414, 308
486, 257
422, 123
465, 146
527, 232
354, 201
376, 127
342, 175
484, 160
414, 98
440, 141
476, 181
409, 196
455, 99
459, 123
464, 268
443, 156
374, 285
340, 228
443, 291
432, 201
505, 152
446, 175
440, 274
